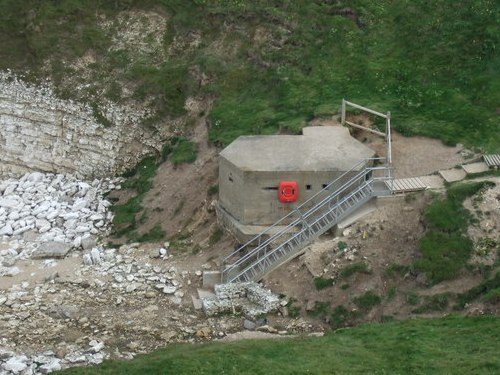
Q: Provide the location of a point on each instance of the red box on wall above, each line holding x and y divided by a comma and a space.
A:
288, 191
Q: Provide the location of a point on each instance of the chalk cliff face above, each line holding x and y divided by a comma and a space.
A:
41, 132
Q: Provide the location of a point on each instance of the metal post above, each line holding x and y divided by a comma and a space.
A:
342, 121
388, 138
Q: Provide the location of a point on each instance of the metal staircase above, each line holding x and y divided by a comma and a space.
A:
287, 238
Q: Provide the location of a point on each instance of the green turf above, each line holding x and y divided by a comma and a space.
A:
452, 345
273, 64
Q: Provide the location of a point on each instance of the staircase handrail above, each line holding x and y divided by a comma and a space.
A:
301, 217
297, 209
295, 235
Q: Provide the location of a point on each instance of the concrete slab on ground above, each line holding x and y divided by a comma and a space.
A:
211, 278
205, 293
475, 167
433, 181
452, 175
356, 215
196, 303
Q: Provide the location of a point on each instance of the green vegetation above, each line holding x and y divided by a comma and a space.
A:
445, 248
354, 268
437, 302
156, 233
183, 151
212, 190
139, 180
391, 293
293, 308
321, 308
216, 236
367, 301
486, 289
322, 283
412, 298
276, 64
452, 345
397, 269
342, 245
339, 317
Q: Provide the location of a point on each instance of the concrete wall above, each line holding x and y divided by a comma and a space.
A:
252, 196
39, 131
231, 189
261, 205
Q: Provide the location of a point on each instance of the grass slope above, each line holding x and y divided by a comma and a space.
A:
452, 345
274, 64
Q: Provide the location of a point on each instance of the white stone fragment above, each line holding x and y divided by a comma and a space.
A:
96, 256
16, 365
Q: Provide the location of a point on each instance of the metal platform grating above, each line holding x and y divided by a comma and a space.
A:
492, 160
403, 185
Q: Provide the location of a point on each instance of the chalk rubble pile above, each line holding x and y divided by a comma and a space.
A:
46, 215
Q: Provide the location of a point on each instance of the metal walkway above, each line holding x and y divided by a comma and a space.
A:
492, 160
405, 185
303, 225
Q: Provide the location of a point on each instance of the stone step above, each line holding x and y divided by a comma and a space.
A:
475, 167
452, 175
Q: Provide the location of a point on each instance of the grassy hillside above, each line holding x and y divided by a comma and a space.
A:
275, 64
452, 345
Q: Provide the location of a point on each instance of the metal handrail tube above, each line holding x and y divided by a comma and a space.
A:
314, 210
344, 199
256, 253
299, 207
310, 212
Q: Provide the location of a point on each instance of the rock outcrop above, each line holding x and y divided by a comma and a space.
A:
39, 131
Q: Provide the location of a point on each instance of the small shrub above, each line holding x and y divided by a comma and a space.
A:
342, 245
212, 190
492, 296
166, 150
367, 301
397, 269
139, 177
443, 255
196, 249
437, 302
293, 309
344, 286
184, 152
485, 287
391, 293
339, 317
353, 268
100, 118
386, 318
322, 283
320, 309
412, 298
154, 234
215, 236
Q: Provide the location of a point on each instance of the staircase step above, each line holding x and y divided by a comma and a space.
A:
313, 223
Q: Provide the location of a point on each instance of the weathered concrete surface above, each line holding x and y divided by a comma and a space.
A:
452, 175
251, 168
